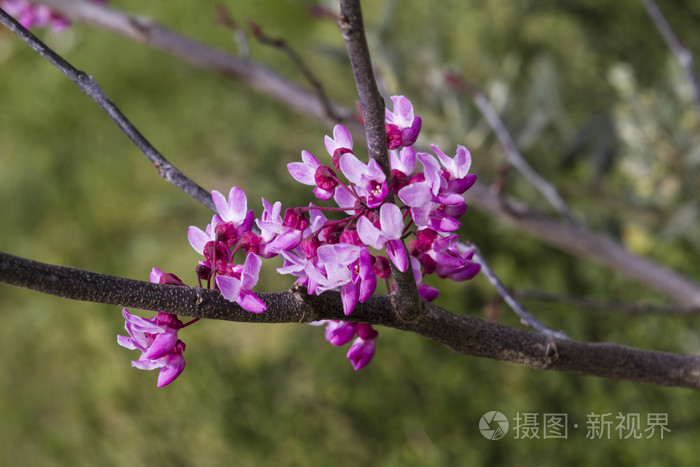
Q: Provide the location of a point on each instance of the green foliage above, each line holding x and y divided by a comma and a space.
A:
75, 192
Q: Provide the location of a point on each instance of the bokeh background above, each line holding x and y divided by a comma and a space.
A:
595, 101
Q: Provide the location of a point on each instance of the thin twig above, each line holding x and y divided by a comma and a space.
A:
682, 54
90, 87
513, 156
253, 74
224, 18
613, 305
315, 83
352, 27
526, 318
408, 303
463, 334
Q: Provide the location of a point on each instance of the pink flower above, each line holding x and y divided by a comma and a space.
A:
157, 340
171, 365
363, 282
160, 277
236, 287
389, 234
209, 243
403, 126
339, 332
332, 266
277, 236
362, 350
311, 172
234, 210
427, 292
340, 144
369, 179
457, 168
404, 160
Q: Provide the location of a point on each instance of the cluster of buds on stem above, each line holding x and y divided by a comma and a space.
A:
351, 249
31, 15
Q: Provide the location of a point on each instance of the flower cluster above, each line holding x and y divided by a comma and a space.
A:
30, 15
350, 251
156, 338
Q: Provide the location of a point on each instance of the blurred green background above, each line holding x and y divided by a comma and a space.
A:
596, 103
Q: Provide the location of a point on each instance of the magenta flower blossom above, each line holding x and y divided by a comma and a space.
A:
363, 282
157, 340
340, 144
369, 179
276, 237
339, 332
404, 160
330, 253
199, 238
160, 277
311, 172
171, 364
402, 122
428, 293
236, 287
458, 167
362, 349
31, 16
389, 234
234, 210
332, 266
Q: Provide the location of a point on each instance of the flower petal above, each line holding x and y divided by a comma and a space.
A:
230, 287
251, 302
172, 369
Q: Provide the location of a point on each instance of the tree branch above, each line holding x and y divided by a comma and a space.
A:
353, 30
526, 318
463, 334
580, 242
633, 308
683, 55
301, 65
513, 156
408, 303
253, 74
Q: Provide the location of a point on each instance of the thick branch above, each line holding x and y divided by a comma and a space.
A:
463, 334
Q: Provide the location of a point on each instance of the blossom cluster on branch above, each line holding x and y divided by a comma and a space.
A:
31, 16
349, 250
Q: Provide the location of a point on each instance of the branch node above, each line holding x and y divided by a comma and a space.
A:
200, 298
407, 311
301, 294
551, 354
